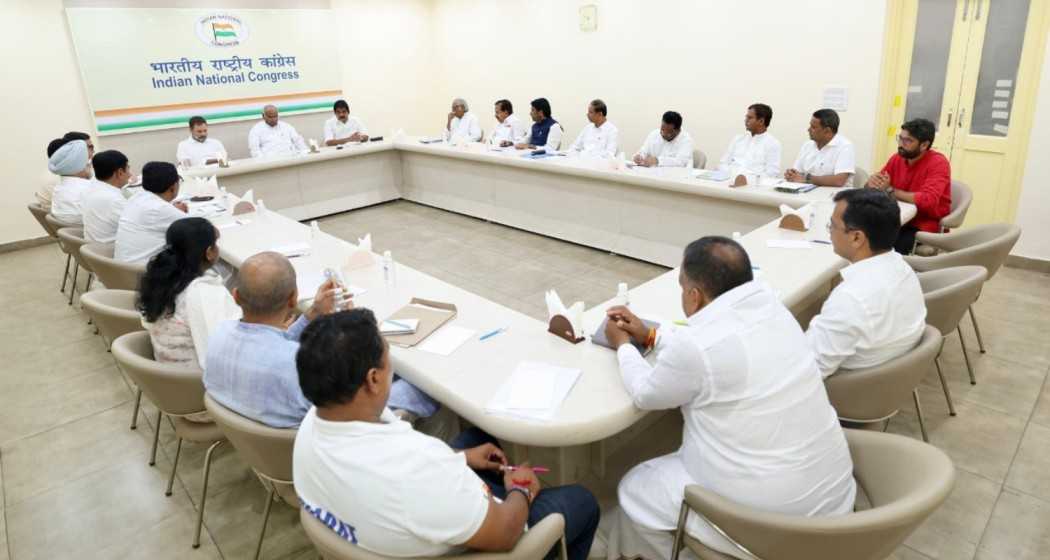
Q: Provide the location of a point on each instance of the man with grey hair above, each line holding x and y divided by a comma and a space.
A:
758, 427
274, 137
462, 125
250, 364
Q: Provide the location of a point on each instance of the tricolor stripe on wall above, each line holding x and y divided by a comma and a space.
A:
168, 116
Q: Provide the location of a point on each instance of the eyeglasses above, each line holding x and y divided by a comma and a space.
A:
831, 226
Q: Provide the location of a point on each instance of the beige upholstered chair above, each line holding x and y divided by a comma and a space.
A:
871, 395
905, 479
40, 215
115, 314
71, 239
112, 273
860, 177
962, 196
177, 391
949, 293
985, 245
268, 451
533, 545
54, 224
699, 159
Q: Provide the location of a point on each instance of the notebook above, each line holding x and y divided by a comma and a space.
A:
599, 336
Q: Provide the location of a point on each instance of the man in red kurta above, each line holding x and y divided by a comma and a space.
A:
920, 175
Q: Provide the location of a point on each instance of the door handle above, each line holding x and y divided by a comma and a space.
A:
978, 15
962, 115
966, 9
949, 119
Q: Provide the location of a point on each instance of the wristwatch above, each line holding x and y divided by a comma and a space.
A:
524, 491
808, 176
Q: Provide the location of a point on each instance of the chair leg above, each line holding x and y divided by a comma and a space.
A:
73, 288
944, 385
156, 437
65, 275
966, 356
174, 467
91, 276
204, 493
563, 549
679, 532
135, 413
976, 329
266, 519
918, 410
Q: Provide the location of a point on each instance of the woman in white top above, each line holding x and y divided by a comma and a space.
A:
181, 297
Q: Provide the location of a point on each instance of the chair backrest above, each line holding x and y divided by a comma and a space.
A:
533, 544
860, 177
40, 214
111, 272
175, 389
875, 393
985, 245
265, 449
113, 311
949, 292
699, 159
71, 239
962, 196
905, 479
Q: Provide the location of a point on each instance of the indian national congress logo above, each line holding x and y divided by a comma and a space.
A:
222, 30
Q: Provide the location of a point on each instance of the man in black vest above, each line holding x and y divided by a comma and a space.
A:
546, 132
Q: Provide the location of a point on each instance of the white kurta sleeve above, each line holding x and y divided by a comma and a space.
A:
254, 142
297, 139
678, 377
680, 156
846, 162
180, 152
649, 146
578, 145
329, 131
612, 143
833, 335
519, 133
474, 129
361, 128
727, 157
554, 137
772, 150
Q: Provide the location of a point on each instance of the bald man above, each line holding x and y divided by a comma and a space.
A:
274, 137
250, 364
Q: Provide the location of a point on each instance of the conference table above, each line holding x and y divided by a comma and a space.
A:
584, 430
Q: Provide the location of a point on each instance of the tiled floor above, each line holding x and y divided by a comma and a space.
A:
74, 479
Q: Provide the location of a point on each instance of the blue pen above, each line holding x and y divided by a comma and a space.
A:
489, 335
821, 241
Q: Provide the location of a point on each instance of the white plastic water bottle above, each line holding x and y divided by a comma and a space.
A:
225, 198
389, 272
315, 232
621, 295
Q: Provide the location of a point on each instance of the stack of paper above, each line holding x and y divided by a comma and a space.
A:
534, 391
401, 326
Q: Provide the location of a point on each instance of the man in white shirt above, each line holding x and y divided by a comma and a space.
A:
667, 146
827, 160
70, 163
546, 132
343, 128
756, 151
759, 429
103, 202
47, 190
273, 137
199, 149
144, 223
878, 312
394, 491
599, 138
509, 130
462, 125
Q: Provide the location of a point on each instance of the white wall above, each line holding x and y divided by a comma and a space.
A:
707, 59
1033, 207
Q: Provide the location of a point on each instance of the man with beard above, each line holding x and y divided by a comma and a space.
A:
199, 149
920, 175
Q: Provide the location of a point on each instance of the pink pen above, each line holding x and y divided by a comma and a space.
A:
512, 468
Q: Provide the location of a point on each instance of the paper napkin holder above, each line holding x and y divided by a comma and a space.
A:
561, 327
243, 207
740, 181
792, 222
359, 259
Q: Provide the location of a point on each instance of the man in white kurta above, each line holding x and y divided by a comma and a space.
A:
600, 137
274, 137
199, 149
70, 163
462, 125
878, 312
103, 202
343, 128
144, 223
758, 429
756, 151
667, 146
510, 130
828, 158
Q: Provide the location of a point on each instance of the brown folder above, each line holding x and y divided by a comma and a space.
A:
430, 318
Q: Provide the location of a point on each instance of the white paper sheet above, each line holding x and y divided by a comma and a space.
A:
540, 376
446, 340
789, 244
